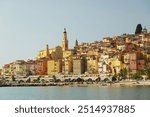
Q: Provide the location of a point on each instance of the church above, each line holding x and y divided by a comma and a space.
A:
59, 52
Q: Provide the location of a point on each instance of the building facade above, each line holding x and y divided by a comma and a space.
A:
79, 66
54, 67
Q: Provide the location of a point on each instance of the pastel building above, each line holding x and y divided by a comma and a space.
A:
41, 67
54, 67
31, 66
92, 64
137, 62
79, 66
20, 68
6, 70
53, 53
103, 63
68, 65
115, 64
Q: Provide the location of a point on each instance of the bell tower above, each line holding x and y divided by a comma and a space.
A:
47, 50
64, 41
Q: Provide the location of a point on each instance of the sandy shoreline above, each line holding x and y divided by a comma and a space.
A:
131, 84
119, 84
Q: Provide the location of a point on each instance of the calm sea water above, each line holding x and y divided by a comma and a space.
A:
74, 93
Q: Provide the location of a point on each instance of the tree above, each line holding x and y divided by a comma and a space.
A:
98, 79
38, 79
123, 73
138, 29
43, 81
147, 71
137, 75
114, 78
58, 80
80, 80
76, 44
54, 78
20, 81
89, 80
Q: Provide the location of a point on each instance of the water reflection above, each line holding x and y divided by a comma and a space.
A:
74, 93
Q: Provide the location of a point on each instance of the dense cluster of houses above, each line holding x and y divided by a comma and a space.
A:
107, 56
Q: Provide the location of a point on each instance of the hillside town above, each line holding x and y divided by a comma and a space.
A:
126, 56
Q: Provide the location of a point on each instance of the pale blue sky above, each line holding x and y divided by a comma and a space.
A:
26, 26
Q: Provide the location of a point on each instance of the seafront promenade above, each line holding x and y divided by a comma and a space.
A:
118, 84
71, 81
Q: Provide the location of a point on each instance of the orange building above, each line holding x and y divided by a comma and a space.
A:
41, 67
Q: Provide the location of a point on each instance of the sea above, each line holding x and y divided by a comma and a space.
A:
74, 93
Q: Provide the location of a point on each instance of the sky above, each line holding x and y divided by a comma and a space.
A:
26, 26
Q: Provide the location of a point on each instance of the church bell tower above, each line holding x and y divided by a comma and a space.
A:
64, 41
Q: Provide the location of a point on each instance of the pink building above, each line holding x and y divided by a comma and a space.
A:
136, 62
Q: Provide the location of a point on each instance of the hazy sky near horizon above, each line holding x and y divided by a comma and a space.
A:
26, 26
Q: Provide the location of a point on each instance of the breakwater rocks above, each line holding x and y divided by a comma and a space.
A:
32, 84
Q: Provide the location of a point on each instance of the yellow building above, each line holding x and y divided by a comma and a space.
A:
136, 43
45, 53
148, 58
121, 47
54, 67
92, 64
53, 53
115, 64
68, 65
111, 50
67, 53
57, 54
126, 58
127, 40
6, 70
